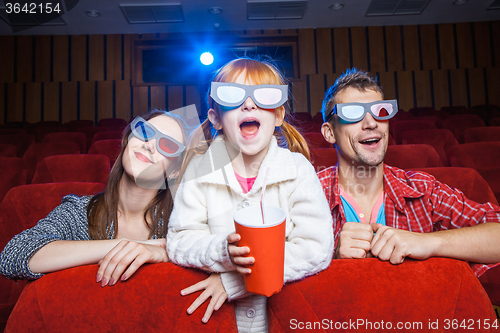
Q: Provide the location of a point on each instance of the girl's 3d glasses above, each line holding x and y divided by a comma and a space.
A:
265, 96
354, 112
165, 144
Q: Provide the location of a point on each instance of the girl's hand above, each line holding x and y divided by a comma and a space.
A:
236, 254
127, 256
212, 287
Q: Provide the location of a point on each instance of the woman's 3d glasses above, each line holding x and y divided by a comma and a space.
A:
265, 96
165, 144
354, 112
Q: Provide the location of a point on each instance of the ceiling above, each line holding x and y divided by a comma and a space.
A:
196, 16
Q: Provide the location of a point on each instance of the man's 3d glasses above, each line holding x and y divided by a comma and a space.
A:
354, 112
265, 96
165, 144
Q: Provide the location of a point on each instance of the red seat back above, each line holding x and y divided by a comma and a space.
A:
441, 139
75, 124
113, 123
399, 127
421, 111
482, 134
459, 123
7, 150
39, 151
301, 117
107, 135
90, 132
110, 148
12, 174
76, 137
21, 141
322, 158
72, 168
412, 156
316, 140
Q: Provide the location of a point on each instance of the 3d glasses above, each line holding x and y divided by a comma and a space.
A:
354, 112
265, 96
165, 144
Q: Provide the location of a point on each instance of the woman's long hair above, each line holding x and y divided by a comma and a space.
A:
259, 72
102, 209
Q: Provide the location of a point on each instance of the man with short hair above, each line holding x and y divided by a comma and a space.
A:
403, 213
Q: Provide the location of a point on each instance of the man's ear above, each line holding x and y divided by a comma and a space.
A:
214, 118
328, 133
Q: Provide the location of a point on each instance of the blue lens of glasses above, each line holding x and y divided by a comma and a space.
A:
144, 130
353, 111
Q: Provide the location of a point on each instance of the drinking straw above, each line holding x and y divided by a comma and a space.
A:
262, 195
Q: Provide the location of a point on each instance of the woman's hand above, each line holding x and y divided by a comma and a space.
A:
237, 253
127, 256
212, 287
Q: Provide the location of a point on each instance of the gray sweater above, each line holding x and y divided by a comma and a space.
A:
68, 221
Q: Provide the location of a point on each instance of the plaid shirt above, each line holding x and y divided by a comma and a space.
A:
417, 202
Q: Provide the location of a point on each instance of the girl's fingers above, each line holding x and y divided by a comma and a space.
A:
195, 287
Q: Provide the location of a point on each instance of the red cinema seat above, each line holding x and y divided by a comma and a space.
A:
110, 148
441, 139
76, 137
12, 174
482, 156
399, 127
90, 132
482, 134
459, 123
318, 118
41, 132
21, 141
412, 156
403, 115
455, 109
316, 140
107, 135
421, 111
308, 126
39, 151
22, 208
72, 168
322, 158
439, 290
433, 113
7, 150
12, 131
113, 123
150, 301
300, 117
75, 124
494, 121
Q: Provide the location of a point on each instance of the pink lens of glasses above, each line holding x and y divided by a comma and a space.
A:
168, 146
382, 109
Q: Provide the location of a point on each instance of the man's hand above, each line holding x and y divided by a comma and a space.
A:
237, 254
394, 245
212, 287
126, 257
354, 241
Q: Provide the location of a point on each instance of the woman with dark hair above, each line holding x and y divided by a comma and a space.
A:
121, 228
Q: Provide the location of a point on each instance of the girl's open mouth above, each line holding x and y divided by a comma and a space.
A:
249, 128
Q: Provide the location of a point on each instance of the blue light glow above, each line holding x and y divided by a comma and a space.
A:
207, 58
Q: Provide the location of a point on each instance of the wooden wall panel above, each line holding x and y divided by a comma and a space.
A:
87, 100
127, 47
140, 96
483, 46
61, 58
307, 52
330, 79
42, 59
33, 102
429, 47
359, 51
447, 46
493, 86
15, 102
464, 45
324, 50
441, 91
69, 101
193, 96
376, 51
7, 53
394, 48
175, 97
388, 85
458, 88
299, 93
316, 92
495, 25
423, 88
113, 57
123, 99
405, 90
96, 57
158, 98
476, 86
411, 48
105, 99
78, 58
24, 58
2, 103
342, 53
51, 101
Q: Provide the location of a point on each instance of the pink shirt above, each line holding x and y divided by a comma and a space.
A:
245, 183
